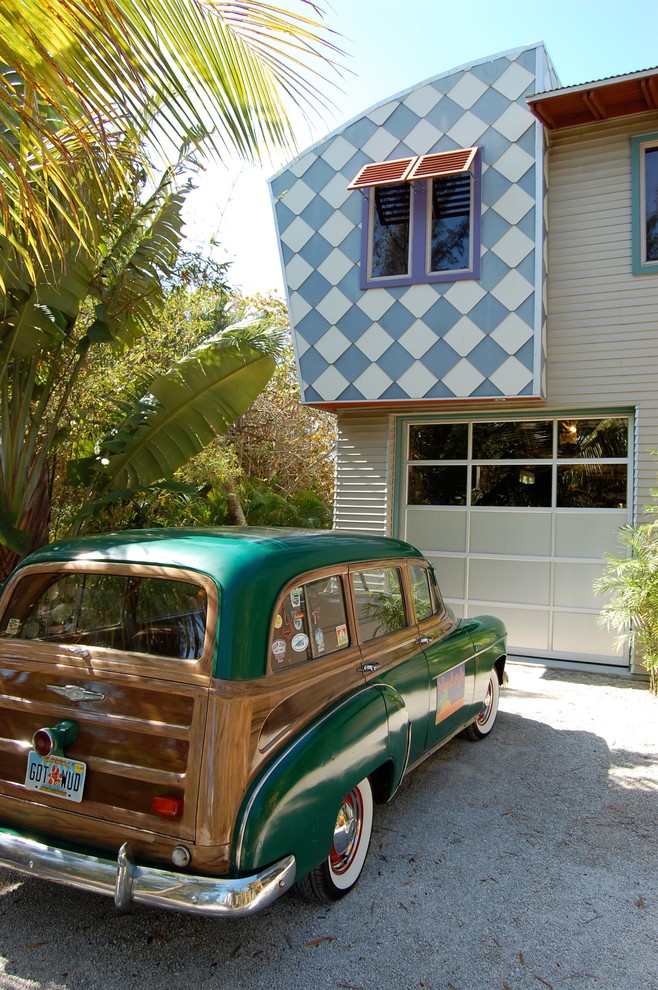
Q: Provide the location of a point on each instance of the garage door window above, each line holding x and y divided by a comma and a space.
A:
559, 463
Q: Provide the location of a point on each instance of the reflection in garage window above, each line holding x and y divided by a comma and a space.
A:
593, 438
438, 442
591, 486
379, 601
520, 463
529, 485
511, 440
434, 485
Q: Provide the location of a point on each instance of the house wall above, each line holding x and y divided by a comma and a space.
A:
602, 319
465, 338
364, 472
602, 335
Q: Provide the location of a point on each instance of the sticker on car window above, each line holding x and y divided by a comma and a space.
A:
299, 642
341, 635
298, 620
318, 636
278, 622
279, 649
296, 597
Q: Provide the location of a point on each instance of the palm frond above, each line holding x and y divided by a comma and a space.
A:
212, 73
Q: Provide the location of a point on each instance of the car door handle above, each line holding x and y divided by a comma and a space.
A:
424, 640
370, 668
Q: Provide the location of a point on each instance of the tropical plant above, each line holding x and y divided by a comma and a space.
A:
631, 584
91, 94
184, 410
45, 345
108, 82
178, 412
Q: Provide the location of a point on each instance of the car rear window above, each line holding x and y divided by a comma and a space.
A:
125, 612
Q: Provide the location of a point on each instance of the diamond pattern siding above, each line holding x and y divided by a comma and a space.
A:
471, 338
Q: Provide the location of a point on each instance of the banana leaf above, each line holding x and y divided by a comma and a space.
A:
184, 410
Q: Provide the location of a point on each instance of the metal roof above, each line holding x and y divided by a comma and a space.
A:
602, 99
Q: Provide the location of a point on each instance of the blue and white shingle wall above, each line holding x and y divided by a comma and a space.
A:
465, 339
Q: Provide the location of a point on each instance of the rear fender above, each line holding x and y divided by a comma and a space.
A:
292, 805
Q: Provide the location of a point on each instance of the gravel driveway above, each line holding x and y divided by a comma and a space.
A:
525, 861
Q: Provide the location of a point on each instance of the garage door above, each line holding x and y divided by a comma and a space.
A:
516, 515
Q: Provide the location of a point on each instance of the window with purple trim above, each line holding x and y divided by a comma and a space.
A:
644, 176
421, 219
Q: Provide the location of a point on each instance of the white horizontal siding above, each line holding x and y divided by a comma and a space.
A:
363, 472
602, 319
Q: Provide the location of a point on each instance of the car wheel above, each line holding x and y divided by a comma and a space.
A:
484, 723
352, 831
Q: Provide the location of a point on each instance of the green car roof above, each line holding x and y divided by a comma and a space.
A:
250, 566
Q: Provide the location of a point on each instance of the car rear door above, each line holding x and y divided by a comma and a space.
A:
389, 641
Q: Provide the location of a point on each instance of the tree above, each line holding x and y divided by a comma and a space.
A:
185, 409
275, 463
290, 445
159, 428
91, 95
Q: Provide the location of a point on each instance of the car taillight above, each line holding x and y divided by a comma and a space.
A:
167, 807
43, 742
54, 740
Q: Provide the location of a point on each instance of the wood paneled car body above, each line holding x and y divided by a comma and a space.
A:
196, 719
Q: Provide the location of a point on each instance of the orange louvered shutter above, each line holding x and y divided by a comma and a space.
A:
383, 173
443, 163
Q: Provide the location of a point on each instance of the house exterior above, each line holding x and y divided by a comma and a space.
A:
472, 279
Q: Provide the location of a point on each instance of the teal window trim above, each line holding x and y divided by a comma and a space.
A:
639, 265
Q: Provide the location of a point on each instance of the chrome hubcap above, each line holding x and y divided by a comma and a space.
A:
486, 708
347, 832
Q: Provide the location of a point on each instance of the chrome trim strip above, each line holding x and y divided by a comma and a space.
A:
127, 882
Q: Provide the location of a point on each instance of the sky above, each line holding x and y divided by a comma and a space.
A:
390, 46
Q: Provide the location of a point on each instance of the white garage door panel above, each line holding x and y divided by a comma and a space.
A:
511, 532
437, 529
578, 633
574, 584
527, 628
525, 582
451, 575
588, 534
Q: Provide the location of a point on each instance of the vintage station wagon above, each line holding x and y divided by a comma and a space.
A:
198, 719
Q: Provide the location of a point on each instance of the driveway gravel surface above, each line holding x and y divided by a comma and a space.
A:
522, 862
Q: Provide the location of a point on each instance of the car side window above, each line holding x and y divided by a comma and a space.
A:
310, 622
379, 601
425, 595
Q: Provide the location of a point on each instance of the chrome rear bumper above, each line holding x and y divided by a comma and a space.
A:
128, 883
